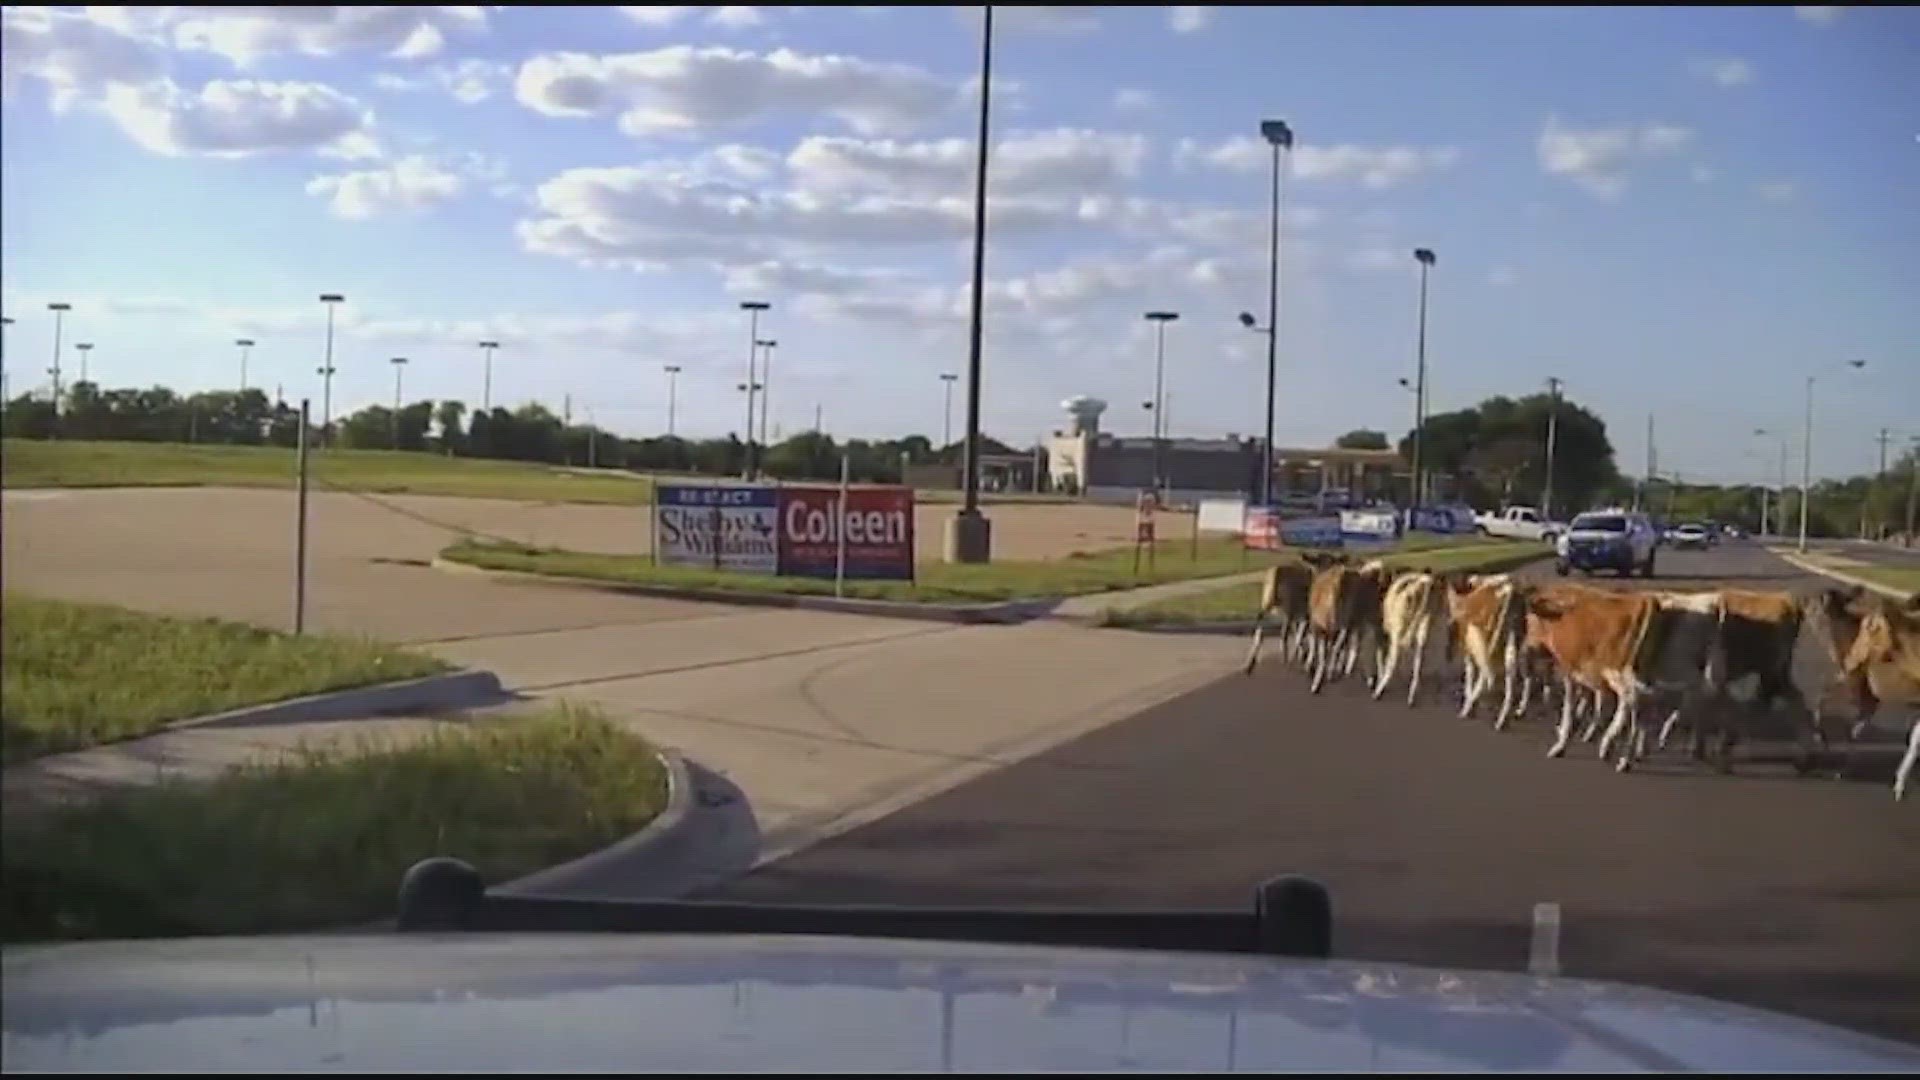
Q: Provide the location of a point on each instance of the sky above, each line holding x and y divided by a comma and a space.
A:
1681, 212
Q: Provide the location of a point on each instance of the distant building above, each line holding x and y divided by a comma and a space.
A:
1103, 467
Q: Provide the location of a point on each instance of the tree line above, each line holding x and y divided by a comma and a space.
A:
530, 432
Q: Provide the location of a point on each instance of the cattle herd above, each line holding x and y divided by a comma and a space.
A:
1681, 653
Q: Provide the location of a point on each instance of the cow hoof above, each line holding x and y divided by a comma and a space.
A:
1623, 765
1557, 750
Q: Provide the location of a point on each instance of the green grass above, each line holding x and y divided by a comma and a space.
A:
38, 463
33, 463
78, 675
322, 840
939, 582
1241, 602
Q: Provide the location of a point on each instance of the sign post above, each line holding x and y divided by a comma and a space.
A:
840, 528
1143, 508
300, 526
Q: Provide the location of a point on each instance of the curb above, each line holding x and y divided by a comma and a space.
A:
672, 819
1839, 575
1012, 611
467, 688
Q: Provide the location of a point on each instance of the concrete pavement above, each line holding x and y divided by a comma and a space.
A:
1437, 837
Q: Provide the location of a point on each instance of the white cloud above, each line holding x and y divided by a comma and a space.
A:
238, 118
471, 81
1501, 276
246, 35
1727, 71
685, 89
1701, 174
1133, 99
409, 184
76, 57
1777, 190
1598, 159
1063, 161
1186, 20
660, 15
1819, 15
735, 17
1375, 168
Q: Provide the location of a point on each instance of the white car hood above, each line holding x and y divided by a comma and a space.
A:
617, 1002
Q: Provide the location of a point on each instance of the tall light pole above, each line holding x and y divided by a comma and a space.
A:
1553, 439
1280, 137
946, 427
486, 377
1806, 457
5, 321
59, 310
399, 365
85, 348
969, 536
673, 386
1780, 500
1913, 486
245, 345
766, 376
326, 373
753, 308
1160, 319
1423, 256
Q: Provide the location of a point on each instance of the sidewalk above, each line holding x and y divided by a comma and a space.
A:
1094, 603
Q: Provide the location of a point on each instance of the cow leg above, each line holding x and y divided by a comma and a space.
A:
1511, 661
1475, 683
1666, 729
1564, 731
1623, 715
1322, 654
1389, 664
1259, 633
1905, 770
1419, 652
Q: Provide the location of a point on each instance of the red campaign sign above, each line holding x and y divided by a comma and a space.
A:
879, 527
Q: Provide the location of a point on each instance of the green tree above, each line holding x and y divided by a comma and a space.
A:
1362, 439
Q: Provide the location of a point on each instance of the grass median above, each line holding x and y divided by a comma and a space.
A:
938, 582
1241, 602
78, 675
1905, 579
322, 840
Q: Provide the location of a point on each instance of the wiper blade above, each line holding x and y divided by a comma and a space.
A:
1290, 916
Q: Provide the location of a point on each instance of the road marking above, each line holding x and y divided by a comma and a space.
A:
1544, 956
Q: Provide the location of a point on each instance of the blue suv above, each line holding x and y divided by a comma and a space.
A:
1619, 540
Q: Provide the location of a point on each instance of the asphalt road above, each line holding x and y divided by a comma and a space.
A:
1437, 836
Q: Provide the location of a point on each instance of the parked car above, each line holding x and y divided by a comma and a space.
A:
1692, 535
1519, 523
1619, 540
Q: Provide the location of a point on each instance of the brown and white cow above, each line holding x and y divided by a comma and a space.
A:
1414, 602
1344, 610
1487, 614
1641, 647
1284, 591
1839, 614
1760, 633
1890, 637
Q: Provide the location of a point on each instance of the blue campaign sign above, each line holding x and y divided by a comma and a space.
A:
1321, 531
716, 495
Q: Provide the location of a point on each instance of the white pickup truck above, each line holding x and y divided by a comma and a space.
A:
1519, 523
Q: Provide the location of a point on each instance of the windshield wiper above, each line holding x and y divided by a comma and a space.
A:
1291, 916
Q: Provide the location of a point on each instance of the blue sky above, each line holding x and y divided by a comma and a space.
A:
1678, 211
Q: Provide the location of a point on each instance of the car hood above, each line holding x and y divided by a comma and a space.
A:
1595, 536
606, 1002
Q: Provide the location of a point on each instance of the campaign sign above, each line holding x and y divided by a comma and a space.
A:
878, 525
1323, 531
1262, 529
717, 527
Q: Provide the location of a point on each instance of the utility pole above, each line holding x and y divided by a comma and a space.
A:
1553, 437
1879, 477
1647, 483
1913, 486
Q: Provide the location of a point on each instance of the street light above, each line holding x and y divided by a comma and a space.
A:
946, 426
85, 348
1806, 457
1160, 319
969, 536
486, 379
399, 365
5, 321
326, 373
1779, 504
766, 376
246, 348
1423, 256
59, 310
753, 308
1280, 137
1553, 439
673, 381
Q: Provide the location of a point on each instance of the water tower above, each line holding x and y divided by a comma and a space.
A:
1085, 412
